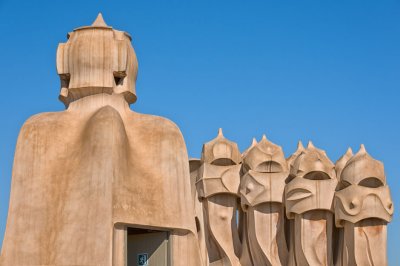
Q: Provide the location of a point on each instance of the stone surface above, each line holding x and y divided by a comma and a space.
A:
217, 186
309, 202
84, 177
363, 207
83, 174
262, 186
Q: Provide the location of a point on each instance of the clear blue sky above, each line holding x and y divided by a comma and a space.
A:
326, 71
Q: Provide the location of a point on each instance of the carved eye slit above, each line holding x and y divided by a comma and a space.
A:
117, 80
223, 162
245, 168
65, 78
317, 175
269, 167
119, 77
343, 184
371, 182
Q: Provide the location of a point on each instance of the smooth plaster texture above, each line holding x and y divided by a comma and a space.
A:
82, 176
303, 210
261, 188
363, 207
81, 172
217, 186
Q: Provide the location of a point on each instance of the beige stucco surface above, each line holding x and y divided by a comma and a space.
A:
79, 172
83, 176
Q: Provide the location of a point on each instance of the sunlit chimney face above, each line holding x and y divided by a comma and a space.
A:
362, 191
220, 166
312, 183
97, 59
264, 172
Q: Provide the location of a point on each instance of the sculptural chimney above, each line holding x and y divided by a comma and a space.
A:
309, 203
363, 207
262, 187
100, 184
92, 183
